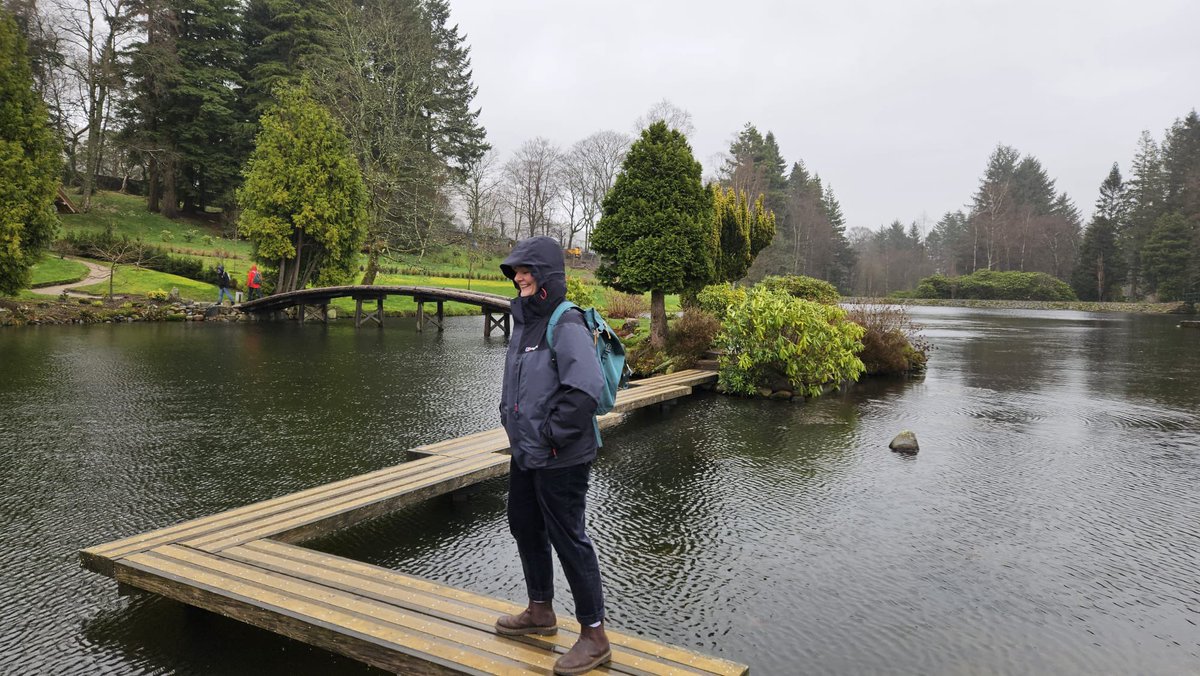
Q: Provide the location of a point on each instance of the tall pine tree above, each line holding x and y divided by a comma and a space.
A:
1100, 269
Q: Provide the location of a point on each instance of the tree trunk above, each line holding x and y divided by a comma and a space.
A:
368, 277
153, 186
658, 319
170, 199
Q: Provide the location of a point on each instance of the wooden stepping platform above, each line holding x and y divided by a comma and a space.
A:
240, 564
640, 393
381, 617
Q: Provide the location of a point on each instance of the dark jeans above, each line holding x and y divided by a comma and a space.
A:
546, 507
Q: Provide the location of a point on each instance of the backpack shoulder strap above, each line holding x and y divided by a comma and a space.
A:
554, 317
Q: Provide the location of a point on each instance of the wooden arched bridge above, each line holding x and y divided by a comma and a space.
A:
314, 304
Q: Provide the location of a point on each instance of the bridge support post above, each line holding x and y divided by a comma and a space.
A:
361, 318
501, 322
436, 320
319, 313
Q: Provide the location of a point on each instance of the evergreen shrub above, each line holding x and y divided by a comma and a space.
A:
773, 336
578, 292
816, 290
995, 285
715, 299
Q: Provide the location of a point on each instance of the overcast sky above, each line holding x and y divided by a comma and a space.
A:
897, 104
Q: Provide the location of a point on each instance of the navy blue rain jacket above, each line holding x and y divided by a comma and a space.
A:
547, 402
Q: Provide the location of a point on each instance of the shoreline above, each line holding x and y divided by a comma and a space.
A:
1176, 308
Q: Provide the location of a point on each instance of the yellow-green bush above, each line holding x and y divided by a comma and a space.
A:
715, 299
773, 336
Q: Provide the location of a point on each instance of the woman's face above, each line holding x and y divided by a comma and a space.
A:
525, 281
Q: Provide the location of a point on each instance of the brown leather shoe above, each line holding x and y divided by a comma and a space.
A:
527, 622
589, 652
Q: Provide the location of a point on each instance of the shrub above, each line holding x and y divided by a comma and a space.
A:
625, 304
646, 360
716, 299
578, 292
816, 290
191, 235
207, 240
157, 294
691, 336
166, 235
773, 337
935, 286
994, 285
892, 344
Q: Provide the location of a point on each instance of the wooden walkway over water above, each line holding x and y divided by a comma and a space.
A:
246, 564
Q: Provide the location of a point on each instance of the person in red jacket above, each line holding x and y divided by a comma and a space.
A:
253, 282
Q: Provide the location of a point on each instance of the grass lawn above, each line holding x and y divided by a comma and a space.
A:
140, 281
52, 270
127, 215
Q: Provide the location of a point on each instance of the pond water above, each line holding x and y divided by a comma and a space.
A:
1050, 523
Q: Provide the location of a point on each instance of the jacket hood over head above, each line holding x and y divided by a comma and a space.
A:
545, 261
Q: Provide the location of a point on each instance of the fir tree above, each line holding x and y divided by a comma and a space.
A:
842, 257
303, 202
1100, 270
29, 164
1168, 257
283, 38
653, 235
1146, 192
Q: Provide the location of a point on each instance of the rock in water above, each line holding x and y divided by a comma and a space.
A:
905, 442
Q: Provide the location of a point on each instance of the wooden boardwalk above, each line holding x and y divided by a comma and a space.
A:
245, 564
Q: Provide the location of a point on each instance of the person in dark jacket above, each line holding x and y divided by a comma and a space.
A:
224, 285
547, 406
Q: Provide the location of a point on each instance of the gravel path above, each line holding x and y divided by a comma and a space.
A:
96, 273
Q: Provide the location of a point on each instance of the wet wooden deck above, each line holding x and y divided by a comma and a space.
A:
244, 564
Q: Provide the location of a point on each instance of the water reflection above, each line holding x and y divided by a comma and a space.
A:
1047, 526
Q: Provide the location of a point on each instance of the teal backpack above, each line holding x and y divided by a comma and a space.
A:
609, 351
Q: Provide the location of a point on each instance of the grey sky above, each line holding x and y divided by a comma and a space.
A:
896, 104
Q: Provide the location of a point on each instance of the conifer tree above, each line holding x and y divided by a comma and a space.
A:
1146, 199
842, 258
283, 38
1168, 257
654, 234
303, 202
29, 164
739, 232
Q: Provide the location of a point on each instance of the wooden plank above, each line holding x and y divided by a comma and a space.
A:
650, 395
376, 584
287, 611
100, 555
630, 652
309, 520
494, 442
690, 377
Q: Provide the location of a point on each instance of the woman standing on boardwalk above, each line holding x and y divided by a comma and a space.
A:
546, 406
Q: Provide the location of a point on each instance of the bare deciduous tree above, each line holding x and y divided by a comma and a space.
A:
675, 117
533, 182
92, 33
